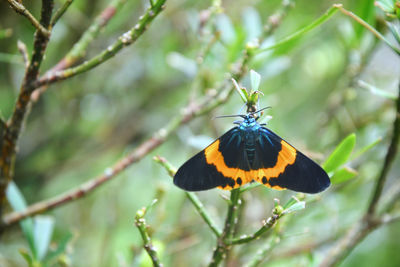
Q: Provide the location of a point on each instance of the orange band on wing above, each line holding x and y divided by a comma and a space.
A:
286, 156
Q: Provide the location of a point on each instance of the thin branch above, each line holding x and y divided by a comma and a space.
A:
79, 49
10, 138
222, 247
192, 197
60, 12
267, 225
124, 40
140, 223
21, 9
367, 26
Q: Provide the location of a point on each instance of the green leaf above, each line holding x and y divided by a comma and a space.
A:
290, 202
303, 31
242, 92
18, 203
255, 79
343, 175
341, 153
43, 231
376, 91
295, 207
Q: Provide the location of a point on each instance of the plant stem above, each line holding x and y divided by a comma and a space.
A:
140, 223
79, 49
21, 9
60, 12
14, 126
222, 247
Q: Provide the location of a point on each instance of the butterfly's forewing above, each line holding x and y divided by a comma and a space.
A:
222, 164
278, 165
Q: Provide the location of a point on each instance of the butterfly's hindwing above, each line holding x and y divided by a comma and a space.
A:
293, 170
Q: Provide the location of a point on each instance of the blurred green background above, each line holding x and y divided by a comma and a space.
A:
83, 125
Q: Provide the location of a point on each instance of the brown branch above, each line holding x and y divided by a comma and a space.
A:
10, 138
21, 9
79, 49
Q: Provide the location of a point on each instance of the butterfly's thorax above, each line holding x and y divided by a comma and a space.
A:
249, 133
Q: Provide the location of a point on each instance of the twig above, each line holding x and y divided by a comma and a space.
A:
60, 12
21, 9
79, 49
124, 40
192, 197
140, 223
14, 126
222, 247
267, 225
369, 221
367, 26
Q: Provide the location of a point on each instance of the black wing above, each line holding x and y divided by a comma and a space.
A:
279, 165
222, 164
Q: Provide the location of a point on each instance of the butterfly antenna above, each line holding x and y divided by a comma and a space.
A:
229, 116
258, 111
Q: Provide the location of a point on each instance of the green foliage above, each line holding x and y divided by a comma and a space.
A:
341, 154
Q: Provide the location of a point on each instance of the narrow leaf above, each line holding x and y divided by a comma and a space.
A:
43, 231
18, 203
341, 153
343, 175
242, 92
295, 207
255, 79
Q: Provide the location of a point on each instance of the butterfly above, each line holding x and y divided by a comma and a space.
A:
247, 153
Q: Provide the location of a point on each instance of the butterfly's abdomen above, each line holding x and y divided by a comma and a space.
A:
250, 138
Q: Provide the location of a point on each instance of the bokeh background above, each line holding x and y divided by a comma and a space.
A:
81, 126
